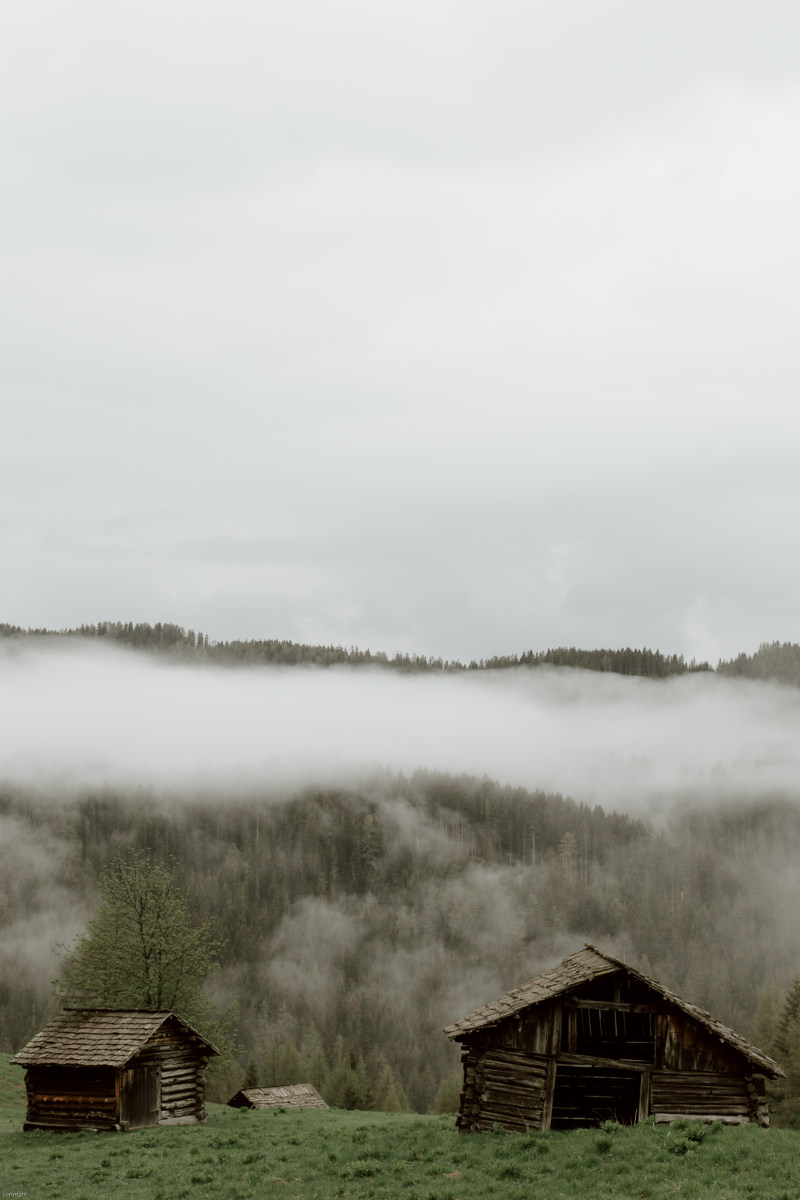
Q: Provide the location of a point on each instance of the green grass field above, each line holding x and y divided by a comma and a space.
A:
319, 1155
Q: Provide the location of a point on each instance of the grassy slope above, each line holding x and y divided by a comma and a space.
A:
12, 1100
317, 1155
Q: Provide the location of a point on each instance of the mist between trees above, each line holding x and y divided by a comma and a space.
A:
358, 921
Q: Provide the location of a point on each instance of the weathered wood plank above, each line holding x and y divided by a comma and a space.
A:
611, 1005
663, 1118
589, 1060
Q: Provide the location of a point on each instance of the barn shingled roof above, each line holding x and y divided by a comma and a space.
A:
582, 967
289, 1095
98, 1037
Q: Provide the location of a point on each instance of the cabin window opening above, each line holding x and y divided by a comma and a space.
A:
609, 1033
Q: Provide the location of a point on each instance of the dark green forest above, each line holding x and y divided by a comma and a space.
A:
177, 642
358, 922
772, 660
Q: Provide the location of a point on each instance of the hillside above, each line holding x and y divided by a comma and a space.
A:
359, 922
173, 640
363, 912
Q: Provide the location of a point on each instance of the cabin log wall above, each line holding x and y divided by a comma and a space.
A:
182, 1077
71, 1098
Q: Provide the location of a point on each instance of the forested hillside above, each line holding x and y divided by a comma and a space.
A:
359, 921
772, 660
174, 640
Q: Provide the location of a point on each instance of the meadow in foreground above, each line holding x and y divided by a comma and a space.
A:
326, 1154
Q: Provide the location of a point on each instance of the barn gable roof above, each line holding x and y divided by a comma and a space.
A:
99, 1037
290, 1095
582, 967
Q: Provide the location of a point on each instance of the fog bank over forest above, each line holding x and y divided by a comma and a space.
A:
86, 714
381, 852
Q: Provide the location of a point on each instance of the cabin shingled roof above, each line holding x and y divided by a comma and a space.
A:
98, 1037
290, 1095
580, 968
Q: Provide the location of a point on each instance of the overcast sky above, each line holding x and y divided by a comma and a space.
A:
445, 326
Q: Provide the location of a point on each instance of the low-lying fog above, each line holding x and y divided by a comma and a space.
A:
77, 713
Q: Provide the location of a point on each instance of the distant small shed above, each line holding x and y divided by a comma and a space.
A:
290, 1095
115, 1069
593, 1040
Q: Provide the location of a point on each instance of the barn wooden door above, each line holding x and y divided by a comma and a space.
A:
140, 1096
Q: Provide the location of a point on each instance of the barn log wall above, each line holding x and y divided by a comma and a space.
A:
502, 1086
71, 1098
731, 1098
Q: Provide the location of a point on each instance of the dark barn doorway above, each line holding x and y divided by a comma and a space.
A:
586, 1096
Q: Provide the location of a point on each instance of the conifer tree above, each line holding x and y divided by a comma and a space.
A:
389, 1095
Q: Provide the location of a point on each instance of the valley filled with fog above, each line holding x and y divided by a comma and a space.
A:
382, 852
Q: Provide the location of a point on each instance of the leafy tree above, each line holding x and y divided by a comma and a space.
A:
141, 950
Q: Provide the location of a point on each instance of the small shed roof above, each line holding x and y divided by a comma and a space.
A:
582, 967
99, 1037
290, 1095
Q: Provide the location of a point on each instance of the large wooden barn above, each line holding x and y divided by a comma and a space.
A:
594, 1040
111, 1069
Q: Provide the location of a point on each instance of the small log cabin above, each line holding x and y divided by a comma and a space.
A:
594, 1040
289, 1095
112, 1069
